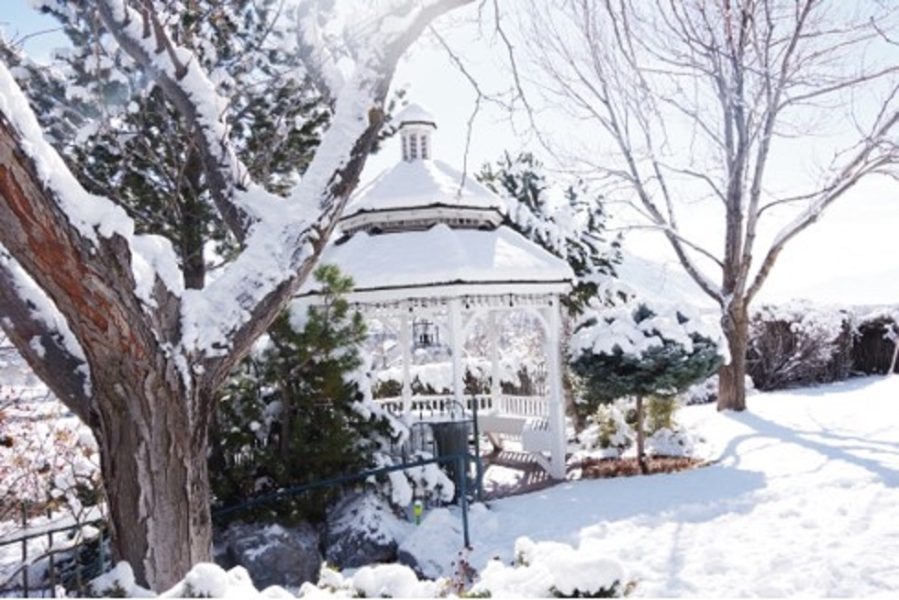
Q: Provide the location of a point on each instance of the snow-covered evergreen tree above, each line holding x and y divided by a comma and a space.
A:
572, 226
641, 351
290, 417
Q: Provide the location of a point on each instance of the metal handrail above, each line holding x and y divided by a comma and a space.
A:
461, 459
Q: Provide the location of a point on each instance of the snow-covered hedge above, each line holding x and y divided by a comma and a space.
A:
797, 344
541, 570
874, 344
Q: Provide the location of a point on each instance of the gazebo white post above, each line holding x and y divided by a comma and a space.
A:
493, 335
406, 342
455, 318
556, 400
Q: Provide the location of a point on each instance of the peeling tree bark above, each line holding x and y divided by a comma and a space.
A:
154, 466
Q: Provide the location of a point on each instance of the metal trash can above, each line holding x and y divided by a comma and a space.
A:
451, 438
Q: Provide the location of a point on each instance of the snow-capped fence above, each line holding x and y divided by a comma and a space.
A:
73, 553
434, 405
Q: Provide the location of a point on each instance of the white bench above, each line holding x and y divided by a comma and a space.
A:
533, 432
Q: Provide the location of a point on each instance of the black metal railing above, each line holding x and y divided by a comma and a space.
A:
74, 554
462, 461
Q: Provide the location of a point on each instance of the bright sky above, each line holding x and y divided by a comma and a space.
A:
847, 257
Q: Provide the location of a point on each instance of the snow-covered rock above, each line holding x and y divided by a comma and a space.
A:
275, 555
362, 529
430, 549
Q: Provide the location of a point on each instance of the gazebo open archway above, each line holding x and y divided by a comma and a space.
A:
422, 241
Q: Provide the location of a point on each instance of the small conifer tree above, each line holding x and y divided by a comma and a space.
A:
641, 352
290, 416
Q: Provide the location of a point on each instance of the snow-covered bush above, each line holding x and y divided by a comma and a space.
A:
672, 441
541, 570
874, 342
644, 352
706, 391
48, 458
798, 344
611, 431
546, 569
607, 434
637, 349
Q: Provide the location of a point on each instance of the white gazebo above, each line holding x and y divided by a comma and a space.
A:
422, 241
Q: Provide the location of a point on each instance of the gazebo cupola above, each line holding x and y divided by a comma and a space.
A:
415, 128
419, 191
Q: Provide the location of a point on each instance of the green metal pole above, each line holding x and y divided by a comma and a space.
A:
463, 499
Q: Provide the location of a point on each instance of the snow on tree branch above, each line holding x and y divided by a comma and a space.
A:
37, 328
222, 320
92, 218
180, 75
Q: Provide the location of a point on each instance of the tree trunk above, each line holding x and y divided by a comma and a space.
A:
152, 437
640, 436
892, 368
732, 376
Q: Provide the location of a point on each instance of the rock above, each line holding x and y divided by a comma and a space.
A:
275, 555
432, 548
362, 529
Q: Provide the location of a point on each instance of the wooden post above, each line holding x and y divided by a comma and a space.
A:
406, 346
556, 399
456, 343
493, 334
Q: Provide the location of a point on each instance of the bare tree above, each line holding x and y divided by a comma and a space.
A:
693, 98
102, 315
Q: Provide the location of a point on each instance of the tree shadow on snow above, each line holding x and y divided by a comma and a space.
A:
831, 451
694, 496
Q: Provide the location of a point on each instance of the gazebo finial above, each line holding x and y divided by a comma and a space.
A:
415, 127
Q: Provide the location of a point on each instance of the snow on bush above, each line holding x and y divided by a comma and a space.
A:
48, 458
875, 336
672, 442
546, 569
610, 433
706, 391
798, 343
541, 570
607, 434
622, 330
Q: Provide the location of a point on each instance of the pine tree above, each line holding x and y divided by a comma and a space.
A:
573, 230
291, 416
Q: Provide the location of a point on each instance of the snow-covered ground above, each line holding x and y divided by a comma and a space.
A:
803, 499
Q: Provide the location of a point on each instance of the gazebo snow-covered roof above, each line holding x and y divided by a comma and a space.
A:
429, 191
418, 241
443, 261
